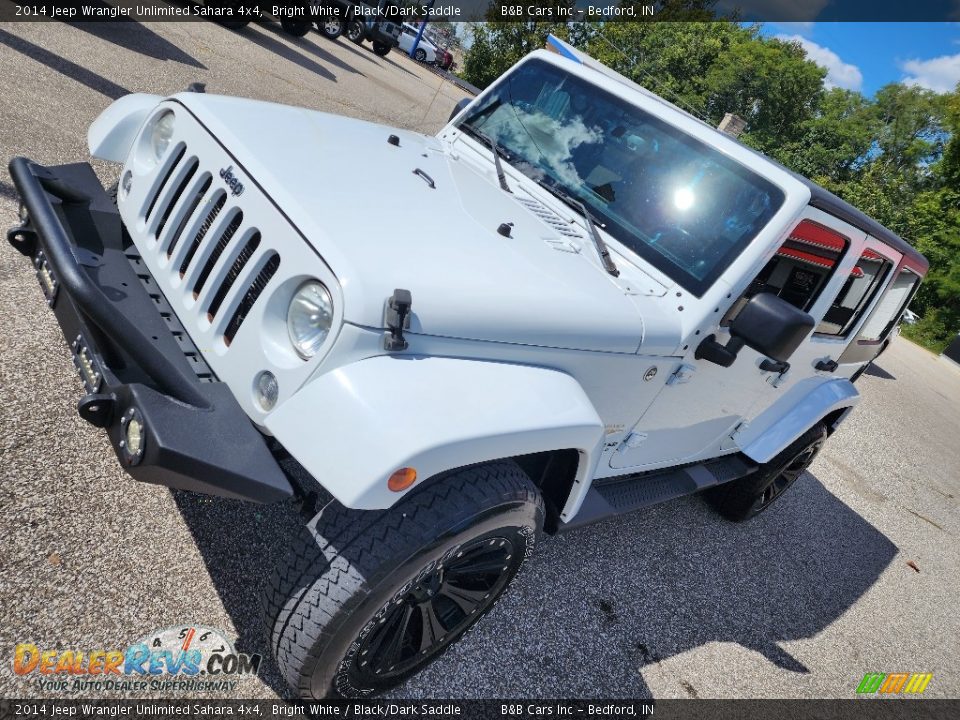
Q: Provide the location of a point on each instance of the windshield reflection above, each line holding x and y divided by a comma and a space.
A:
679, 204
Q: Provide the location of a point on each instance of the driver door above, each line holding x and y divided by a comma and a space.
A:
825, 267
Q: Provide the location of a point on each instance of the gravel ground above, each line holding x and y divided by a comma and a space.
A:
668, 602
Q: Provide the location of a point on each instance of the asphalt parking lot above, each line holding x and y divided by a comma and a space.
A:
668, 602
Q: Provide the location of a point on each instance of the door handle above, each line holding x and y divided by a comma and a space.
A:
426, 178
776, 366
827, 365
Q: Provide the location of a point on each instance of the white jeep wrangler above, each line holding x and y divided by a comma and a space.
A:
605, 304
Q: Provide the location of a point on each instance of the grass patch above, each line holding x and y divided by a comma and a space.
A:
931, 335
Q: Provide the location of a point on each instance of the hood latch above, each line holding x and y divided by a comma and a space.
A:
397, 319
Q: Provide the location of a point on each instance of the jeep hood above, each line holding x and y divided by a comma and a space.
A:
380, 225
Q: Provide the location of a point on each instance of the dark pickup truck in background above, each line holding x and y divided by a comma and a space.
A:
359, 23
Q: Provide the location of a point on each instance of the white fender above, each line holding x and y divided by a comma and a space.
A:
355, 426
795, 413
113, 132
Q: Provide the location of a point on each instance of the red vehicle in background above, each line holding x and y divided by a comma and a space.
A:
444, 58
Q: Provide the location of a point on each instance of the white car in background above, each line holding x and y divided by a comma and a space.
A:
426, 50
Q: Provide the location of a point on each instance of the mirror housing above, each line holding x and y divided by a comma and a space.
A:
458, 108
768, 324
772, 326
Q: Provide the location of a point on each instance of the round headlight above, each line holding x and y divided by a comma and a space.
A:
162, 134
309, 318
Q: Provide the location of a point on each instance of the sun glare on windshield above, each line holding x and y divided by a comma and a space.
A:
677, 203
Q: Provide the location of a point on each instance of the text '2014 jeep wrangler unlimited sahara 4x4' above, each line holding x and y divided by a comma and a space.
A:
609, 304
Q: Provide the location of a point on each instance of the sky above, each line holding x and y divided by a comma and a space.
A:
867, 56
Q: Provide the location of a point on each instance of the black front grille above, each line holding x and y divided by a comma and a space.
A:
163, 183
204, 229
178, 191
256, 287
242, 259
221, 245
188, 213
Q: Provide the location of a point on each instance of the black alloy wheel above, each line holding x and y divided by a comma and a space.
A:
422, 620
363, 599
749, 496
786, 477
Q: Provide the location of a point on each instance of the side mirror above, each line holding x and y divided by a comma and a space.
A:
458, 108
768, 324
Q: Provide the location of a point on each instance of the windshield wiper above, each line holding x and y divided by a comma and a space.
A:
495, 149
576, 204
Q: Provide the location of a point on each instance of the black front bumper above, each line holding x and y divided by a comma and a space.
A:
134, 359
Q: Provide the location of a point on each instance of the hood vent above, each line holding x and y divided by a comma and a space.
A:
550, 217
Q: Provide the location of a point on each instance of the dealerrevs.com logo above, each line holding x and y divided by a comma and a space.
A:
187, 657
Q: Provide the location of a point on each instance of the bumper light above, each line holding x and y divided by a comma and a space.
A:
48, 282
133, 436
267, 390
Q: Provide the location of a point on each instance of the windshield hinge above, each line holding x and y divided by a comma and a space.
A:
681, 375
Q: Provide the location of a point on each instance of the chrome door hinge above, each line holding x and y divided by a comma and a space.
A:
777, 379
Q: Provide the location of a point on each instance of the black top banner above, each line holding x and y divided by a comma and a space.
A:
484, 10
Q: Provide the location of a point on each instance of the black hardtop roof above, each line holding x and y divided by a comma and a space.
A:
823, 199
820, 198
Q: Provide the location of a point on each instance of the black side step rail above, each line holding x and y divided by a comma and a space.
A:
623, 494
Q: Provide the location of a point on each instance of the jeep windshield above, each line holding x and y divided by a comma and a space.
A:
679, 204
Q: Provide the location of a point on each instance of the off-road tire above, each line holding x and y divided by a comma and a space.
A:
330, 29
112, 191
748, 496
381, 48
355, 32
350, 571
297, 28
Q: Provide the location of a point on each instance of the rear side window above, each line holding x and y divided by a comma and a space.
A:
800, 269
858, 291
890, 308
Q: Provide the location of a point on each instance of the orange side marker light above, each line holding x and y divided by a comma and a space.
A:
402, 479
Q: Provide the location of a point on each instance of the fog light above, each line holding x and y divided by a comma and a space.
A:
402, 479
24, 215
126, 183
133, 436
267, 390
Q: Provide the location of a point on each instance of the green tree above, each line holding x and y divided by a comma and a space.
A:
934, 220
712, 68
497, 46
833, 143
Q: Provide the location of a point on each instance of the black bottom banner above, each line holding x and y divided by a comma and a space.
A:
872, 709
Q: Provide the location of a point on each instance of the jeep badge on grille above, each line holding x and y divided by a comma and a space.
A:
233, 182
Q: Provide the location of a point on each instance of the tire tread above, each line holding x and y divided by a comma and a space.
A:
314, 582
